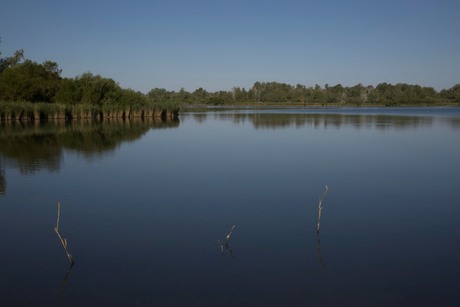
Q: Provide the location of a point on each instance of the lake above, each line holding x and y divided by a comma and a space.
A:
145, 208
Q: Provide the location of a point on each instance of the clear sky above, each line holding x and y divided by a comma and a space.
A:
216, 44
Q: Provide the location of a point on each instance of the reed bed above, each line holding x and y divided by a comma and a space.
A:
25, 111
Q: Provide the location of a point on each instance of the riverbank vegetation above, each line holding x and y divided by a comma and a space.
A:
30, 91
276, 93
37, 91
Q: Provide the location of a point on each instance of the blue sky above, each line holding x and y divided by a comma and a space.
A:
218, 44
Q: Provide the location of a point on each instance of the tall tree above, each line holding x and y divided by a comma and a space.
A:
30, 81
11, 61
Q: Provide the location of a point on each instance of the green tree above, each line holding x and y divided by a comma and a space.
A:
452, 94
237, 94
182, 96
256, 91
335, 94
131, 98
30, 81
357, 94
318, 95
160, 95
300, 93
199, 96
97, 90
68, 92
222, 97
11, 61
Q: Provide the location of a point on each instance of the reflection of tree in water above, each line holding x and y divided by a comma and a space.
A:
31, 148
453, 122
270, 119
264, 121
2, 182
30, 153
199, 117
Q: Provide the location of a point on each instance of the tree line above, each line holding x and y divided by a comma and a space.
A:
283, 93
37, 91
24, 80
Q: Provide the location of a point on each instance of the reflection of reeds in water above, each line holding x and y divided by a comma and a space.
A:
320, 209
2, 182
63, 241
227, 241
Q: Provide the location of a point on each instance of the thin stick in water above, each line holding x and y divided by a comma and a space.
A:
320, 208
230, 233
63, 241
58, 216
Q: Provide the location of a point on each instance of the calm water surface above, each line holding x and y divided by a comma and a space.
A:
144, 206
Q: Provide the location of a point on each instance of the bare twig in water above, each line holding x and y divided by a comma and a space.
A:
63, 241
320, 208
58, 216
226, 244
230, 233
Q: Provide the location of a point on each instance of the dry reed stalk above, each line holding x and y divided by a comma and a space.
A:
227, 239
58, 216
63, 241
230, 233
320, 208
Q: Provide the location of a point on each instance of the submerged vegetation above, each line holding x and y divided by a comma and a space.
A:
30, 91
